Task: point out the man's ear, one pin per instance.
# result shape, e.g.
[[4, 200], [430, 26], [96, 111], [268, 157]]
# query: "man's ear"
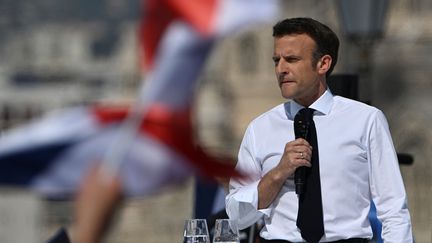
[[324, 64]]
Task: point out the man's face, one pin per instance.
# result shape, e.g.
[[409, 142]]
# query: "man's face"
[[298, 76]]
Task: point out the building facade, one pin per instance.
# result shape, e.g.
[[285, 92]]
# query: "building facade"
[[55, 54]]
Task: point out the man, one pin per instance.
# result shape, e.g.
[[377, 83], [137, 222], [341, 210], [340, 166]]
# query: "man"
[[354, 157]]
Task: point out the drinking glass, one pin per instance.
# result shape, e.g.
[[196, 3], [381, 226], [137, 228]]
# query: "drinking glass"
[[226, 231], [196, 231]]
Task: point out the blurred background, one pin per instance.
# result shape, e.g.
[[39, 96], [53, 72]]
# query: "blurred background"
[[58, 53]]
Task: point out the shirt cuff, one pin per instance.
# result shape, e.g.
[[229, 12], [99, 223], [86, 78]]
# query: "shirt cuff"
[[242, 206]]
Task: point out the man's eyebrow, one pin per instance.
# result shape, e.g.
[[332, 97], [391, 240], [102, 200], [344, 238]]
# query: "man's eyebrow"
[[291, 56]]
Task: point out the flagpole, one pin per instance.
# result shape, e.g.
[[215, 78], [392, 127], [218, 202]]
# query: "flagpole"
[[126, 134]]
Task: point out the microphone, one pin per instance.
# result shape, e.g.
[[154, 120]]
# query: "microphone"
[[301, 128]]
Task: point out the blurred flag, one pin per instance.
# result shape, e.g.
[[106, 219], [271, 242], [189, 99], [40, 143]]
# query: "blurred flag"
[[53, 154], [177, 37], [207, 18]]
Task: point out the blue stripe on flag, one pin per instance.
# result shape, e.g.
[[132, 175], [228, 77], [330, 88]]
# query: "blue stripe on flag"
[[20, 167]]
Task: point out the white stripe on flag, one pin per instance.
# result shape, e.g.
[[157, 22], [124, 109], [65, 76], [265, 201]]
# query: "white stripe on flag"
[[239, 15]]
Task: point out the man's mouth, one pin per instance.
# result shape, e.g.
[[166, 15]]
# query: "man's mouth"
[[282, 82]]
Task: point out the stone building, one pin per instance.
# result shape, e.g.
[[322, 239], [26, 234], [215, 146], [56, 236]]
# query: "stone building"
[[81, 52]]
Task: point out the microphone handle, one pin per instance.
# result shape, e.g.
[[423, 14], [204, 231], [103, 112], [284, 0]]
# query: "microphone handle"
[[299, 179], [301, 127]]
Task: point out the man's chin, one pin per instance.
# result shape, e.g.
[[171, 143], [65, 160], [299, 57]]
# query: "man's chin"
[[287, 94]]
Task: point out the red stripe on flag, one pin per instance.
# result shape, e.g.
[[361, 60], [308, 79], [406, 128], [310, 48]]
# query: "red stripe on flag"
[[158, 14], [106, 114], [174, 129], [198, 13]]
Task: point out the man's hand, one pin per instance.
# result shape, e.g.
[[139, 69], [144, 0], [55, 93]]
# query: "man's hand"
[[296, 153]]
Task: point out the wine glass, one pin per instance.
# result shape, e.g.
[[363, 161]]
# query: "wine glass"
[[196, 231], [226, 231]]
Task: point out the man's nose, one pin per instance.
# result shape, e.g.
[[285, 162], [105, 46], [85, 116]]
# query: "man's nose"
[[282, 66]]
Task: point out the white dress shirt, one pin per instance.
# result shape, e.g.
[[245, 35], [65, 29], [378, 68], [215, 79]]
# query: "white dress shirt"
[[358, 163]]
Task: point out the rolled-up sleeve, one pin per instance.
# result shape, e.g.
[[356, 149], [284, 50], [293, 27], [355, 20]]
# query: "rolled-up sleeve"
[[387, 188], [242, 199]]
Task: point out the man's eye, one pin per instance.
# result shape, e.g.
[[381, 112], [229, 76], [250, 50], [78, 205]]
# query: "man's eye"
[[276, 61], [291, 59]]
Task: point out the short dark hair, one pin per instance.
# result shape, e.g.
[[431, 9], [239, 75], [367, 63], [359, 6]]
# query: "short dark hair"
[[327, 43]]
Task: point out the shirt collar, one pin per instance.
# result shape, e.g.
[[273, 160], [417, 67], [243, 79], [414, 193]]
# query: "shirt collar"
[[321, 106]]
